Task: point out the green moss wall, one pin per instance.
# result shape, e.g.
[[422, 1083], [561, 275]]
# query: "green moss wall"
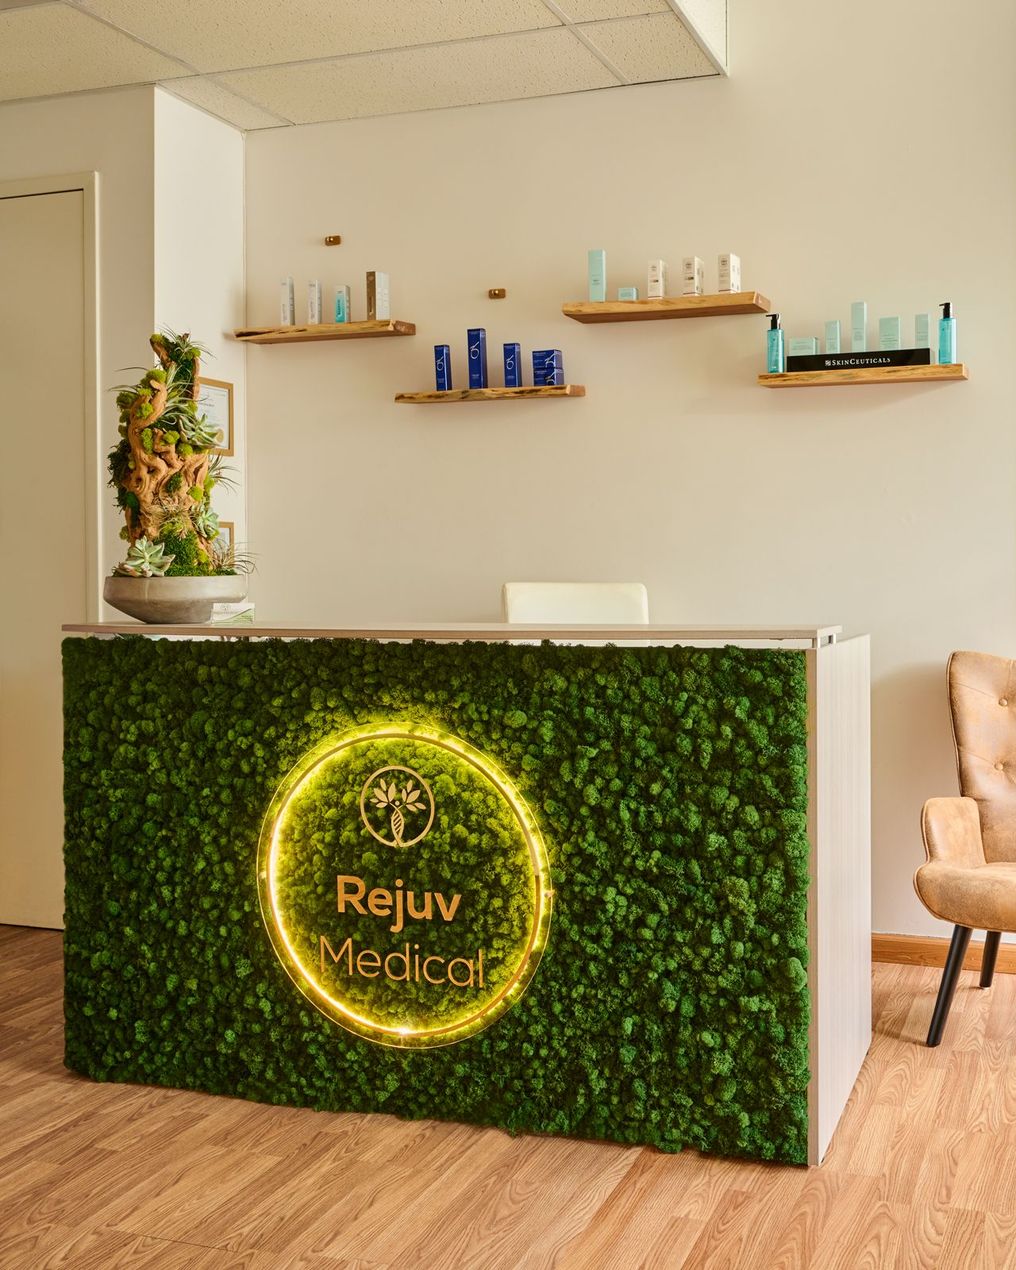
[[670, 1006]]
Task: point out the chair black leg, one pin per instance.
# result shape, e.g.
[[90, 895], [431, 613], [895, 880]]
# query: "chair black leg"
[[988, 957], [951, 973]]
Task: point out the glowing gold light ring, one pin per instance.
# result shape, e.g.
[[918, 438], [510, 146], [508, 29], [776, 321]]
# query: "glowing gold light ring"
[[315, 992]]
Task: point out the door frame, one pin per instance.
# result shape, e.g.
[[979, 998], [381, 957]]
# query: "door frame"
[[88, 185]]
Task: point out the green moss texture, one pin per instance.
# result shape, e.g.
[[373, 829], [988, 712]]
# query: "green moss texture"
[[670, 785]]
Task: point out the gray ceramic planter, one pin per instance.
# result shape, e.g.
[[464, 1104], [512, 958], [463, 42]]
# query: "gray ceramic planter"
[[173, 600]]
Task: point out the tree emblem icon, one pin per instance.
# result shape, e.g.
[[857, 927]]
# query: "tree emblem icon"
[[397, 806]]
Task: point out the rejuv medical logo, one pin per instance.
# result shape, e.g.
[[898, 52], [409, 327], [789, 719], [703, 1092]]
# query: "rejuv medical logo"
[[404, 885]]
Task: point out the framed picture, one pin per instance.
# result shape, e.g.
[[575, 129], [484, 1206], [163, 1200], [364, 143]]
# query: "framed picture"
[[215, 401], [227, 533]]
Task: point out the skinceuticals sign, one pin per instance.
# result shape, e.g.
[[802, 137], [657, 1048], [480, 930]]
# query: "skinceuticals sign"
[[404, 885]]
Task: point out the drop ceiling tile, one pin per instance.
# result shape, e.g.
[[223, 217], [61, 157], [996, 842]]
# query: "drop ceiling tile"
[[597, 10], [650, 48], [206, 93], [53, 49], [217, 35], [709, 18], [504, 68]]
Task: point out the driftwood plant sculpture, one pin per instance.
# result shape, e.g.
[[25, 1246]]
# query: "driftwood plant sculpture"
[[164, 470]]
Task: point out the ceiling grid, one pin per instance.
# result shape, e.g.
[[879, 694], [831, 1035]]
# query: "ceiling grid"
[[257, 64]]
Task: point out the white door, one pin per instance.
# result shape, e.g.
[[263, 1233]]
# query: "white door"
[[43, 548]]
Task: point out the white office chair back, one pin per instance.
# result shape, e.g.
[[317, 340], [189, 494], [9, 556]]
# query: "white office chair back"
[[576, 603]]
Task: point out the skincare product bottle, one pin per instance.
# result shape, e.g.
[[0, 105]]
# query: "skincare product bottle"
[[730, 272], [774, 346], [598, 275], [656, 287], [378, 303], [513, 366], [287, 313], [627, 293], [922, 330], [859, 327], [313, 303], [889, 333], [946, 335], [692, 276], [476, 344], [803, 346], [342, 304], [443, 367], [832, 337]]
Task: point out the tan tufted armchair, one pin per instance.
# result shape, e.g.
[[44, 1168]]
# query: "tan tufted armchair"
[[969, 878]]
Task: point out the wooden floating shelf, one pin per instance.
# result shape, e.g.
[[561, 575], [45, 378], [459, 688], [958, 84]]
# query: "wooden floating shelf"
[[726, 304], [490, 394], [867, 375], [323, 331]]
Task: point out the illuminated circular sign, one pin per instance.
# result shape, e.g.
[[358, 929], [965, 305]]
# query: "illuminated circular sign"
[[404, 885]]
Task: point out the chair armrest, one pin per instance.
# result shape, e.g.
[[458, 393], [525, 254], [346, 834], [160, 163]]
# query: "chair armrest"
[[952, 831]]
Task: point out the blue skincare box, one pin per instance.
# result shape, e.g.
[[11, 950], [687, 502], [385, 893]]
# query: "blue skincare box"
[[476, 341], [443, 367], [627, 293], [548, 368], [513, 365]]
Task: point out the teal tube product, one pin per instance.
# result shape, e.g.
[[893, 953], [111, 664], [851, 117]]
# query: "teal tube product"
[[859, 327], [598, 275], [946, 335], [889, 336], [775, 363], [832, 336]]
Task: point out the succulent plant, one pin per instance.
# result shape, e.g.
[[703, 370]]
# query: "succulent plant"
[[206, 522], [145, 559]]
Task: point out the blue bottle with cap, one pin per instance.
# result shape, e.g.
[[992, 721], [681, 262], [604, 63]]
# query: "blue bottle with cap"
[[946, 335], [775, 364]]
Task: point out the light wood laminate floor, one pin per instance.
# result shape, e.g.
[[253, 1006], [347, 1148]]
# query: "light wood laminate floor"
[[922, 1172]]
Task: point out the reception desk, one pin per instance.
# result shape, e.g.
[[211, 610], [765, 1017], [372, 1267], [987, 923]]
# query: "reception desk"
[[608, 882]]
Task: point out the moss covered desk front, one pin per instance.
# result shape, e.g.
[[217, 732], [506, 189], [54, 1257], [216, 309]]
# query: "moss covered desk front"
[[610, 891]]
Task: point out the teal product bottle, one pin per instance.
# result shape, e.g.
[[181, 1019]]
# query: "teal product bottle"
[[946, 335], [775, 364]]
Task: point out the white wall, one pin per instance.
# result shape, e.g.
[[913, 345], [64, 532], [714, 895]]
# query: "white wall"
[[849, 156], [170, 252], [199, 283], [109, 133], [170, 242]]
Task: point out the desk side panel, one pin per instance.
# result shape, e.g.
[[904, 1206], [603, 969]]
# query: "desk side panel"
[[840, 899]]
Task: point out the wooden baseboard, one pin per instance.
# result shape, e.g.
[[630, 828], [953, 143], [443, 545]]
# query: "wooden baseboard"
[[926, 950]]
